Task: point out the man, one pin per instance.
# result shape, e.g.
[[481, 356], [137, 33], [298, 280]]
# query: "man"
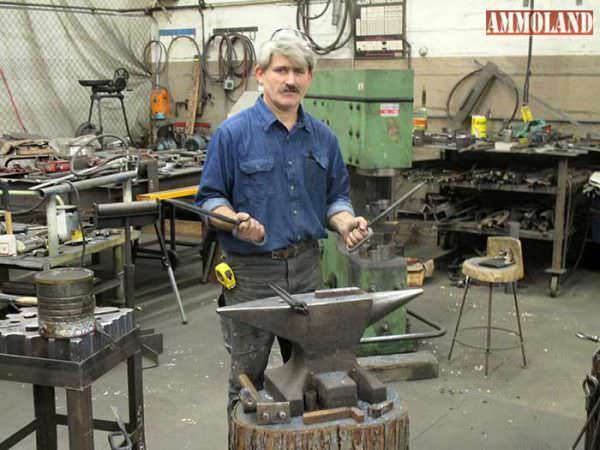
[[279, 171]]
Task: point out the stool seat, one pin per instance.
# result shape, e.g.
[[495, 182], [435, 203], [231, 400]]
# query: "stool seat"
[[472, 269]]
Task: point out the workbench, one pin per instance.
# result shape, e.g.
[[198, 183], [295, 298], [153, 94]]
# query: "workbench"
[[76, 377], [563, 212], [69, 255]]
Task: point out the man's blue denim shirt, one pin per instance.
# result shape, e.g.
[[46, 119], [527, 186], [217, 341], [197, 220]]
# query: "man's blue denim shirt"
[[290, 181]]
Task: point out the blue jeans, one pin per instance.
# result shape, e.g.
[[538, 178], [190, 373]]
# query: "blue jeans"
[[249, 347]]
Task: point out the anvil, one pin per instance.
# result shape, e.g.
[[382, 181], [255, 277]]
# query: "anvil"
[[322, 371]]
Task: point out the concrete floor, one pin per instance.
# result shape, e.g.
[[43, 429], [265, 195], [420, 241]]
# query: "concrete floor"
[[540, 407]]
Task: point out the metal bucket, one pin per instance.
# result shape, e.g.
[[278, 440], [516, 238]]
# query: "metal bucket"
[[65, 302]]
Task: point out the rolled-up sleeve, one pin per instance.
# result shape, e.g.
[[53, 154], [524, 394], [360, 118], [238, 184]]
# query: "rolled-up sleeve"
[[338, 183], [216, 182]]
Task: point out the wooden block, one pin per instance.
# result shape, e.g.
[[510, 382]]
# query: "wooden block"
[[326, 415], [357, 414], [379, 409]]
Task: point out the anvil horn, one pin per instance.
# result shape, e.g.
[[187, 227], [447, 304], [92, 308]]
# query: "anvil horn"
[[388, 301]]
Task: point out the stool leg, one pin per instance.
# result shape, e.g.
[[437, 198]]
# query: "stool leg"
[[489, 331], [514, 287], [125, 118], [460, 313], [91, 108]]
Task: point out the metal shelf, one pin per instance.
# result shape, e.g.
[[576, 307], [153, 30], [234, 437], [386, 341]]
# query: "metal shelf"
[[576, 181], [501, 187], [473, 228]]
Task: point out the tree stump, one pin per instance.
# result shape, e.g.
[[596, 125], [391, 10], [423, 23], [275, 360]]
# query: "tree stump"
[[388, 432]]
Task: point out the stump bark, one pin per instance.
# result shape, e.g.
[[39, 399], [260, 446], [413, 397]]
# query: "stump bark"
[[389, 432]]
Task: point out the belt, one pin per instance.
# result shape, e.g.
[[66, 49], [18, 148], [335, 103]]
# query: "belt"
[[291, 251]]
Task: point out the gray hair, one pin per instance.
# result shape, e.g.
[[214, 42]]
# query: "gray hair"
[[289, 45]]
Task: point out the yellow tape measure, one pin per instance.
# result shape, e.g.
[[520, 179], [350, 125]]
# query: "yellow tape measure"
[[225, 275]]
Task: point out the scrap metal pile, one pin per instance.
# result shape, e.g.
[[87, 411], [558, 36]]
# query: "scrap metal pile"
[[41, 157], [506, 177], [20, 335], [454, 209], [484, 197]]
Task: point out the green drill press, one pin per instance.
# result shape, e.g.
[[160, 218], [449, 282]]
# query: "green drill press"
[[370, 111]]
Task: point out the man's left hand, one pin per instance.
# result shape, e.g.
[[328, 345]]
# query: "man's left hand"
[[354, 230]]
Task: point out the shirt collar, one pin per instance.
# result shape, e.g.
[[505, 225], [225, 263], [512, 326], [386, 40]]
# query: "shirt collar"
[[267, 117]]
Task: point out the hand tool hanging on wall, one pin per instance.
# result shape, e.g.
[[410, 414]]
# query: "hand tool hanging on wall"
[[384, 214]]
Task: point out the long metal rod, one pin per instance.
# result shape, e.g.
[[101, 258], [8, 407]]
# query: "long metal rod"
[[130, 11], [72, 9], [585, 427], [384, 214], [297, 305], [88, 184], [201, 212], [440, 331], [397, 203]]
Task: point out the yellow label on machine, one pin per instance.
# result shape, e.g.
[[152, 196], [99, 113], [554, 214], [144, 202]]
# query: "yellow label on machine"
[[225, 275]]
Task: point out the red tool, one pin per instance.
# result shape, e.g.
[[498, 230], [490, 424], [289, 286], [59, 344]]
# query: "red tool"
[[59, 165]]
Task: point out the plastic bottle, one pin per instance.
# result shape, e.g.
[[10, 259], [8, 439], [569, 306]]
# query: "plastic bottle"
[[420, 114]]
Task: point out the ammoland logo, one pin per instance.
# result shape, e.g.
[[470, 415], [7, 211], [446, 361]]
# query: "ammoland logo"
[[539, 21]]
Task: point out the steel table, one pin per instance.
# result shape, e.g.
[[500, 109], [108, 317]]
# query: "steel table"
[[76, 378]]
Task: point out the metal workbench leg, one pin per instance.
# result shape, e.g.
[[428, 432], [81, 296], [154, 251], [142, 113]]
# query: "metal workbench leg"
[[172, 231], [559, 226], [163, 210], [80, 419], [136, 400], [51, 223], [119, 272], [44, 406]]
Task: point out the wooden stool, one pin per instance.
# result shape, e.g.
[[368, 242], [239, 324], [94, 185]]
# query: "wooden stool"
[[472, 269]]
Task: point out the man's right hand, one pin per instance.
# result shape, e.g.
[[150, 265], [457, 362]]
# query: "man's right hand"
[[250, 230]]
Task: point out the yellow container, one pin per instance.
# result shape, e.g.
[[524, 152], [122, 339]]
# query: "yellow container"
[[420, 119], [479, 127]]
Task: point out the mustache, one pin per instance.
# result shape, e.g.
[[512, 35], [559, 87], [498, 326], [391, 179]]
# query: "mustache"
[[289, 88]]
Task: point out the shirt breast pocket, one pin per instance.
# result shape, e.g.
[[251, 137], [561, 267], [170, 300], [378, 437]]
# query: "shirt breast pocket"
[[315, 173], [257, 177]]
